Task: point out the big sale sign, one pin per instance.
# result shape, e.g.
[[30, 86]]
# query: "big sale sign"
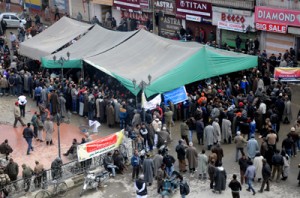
[[279, 28]]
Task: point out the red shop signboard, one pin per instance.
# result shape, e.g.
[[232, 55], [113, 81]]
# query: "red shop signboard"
[[269, 27], [193, 8], [135, 15]]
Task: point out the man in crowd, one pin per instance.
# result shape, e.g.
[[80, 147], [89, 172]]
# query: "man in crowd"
[[17, 114], [28, 135]]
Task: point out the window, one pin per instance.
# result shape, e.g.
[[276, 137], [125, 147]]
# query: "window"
[[5, 17], [14, 18]]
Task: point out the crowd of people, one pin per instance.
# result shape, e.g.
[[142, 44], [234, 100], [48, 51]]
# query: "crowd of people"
[[246, 109]]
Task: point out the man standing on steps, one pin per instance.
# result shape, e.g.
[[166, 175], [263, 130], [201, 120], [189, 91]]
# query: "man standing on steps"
[[28, 135], [56, 13]]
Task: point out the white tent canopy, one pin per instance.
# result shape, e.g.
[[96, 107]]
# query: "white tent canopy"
[[53, 38], [96, 41], [141, 55]]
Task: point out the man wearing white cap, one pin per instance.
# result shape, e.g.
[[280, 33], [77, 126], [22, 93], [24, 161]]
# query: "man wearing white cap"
[[240, 143], [22, 104], [244, 85]]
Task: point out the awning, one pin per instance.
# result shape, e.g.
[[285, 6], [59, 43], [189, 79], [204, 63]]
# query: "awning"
[[96, 41], [53, 38], [171, 64]]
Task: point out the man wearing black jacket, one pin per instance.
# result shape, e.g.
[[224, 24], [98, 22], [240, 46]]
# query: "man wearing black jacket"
[[141, 187], [235, 187]]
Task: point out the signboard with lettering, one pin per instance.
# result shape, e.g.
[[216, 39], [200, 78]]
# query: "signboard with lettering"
[[168, 25], [269, 27], [103, 2], [277, 16], [231, 26], [127, 4], [193, 8], [140, 16], [232, 19], [144, 4], [166, 6]]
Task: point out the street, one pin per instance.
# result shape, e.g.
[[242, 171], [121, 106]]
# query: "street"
[[122, 185]]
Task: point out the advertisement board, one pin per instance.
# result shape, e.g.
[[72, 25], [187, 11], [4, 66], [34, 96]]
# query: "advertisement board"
[[270, 27], [277, 16], [193, 8], [287, 73], [168, 25]]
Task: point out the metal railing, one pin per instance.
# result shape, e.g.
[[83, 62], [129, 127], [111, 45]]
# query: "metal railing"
[[19, 187], [69, 170]]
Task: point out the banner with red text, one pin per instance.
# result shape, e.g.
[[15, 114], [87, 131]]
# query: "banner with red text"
[[287, 73], [99, 146]]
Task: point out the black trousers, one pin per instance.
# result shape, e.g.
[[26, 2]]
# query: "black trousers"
[[135, 171], [22, 109]]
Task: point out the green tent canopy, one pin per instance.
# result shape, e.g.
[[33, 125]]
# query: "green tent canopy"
[[207, 62], [96, 41], [170, 63]]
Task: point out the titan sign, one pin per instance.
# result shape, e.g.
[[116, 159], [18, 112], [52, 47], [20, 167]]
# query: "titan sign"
[[193, 8]]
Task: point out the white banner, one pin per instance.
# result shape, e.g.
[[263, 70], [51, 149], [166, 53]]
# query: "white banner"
[[152, 103]]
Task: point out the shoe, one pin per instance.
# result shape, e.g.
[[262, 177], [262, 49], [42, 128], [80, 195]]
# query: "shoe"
[[28, 153], [260, 191], [254, 193], [248, 189], [32, 148], [65, 154]]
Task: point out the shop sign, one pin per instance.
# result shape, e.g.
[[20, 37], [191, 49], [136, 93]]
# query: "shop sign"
[[194, 8], [193, 18], [277, 16], [269, 27], [140, 16], [127, 4], [231, 26], [103, 2], [167, 6], [168, 25], [232, 19], [144, 4]]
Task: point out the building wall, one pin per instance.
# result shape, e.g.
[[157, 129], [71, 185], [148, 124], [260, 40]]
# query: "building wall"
[[78, 6], [287, 4]]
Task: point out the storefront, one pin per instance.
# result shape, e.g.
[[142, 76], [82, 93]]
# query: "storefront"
[[232, 23], [131, 13], [166, 21], [275, 22], [296, 31], [197, 16], [102, 9]]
